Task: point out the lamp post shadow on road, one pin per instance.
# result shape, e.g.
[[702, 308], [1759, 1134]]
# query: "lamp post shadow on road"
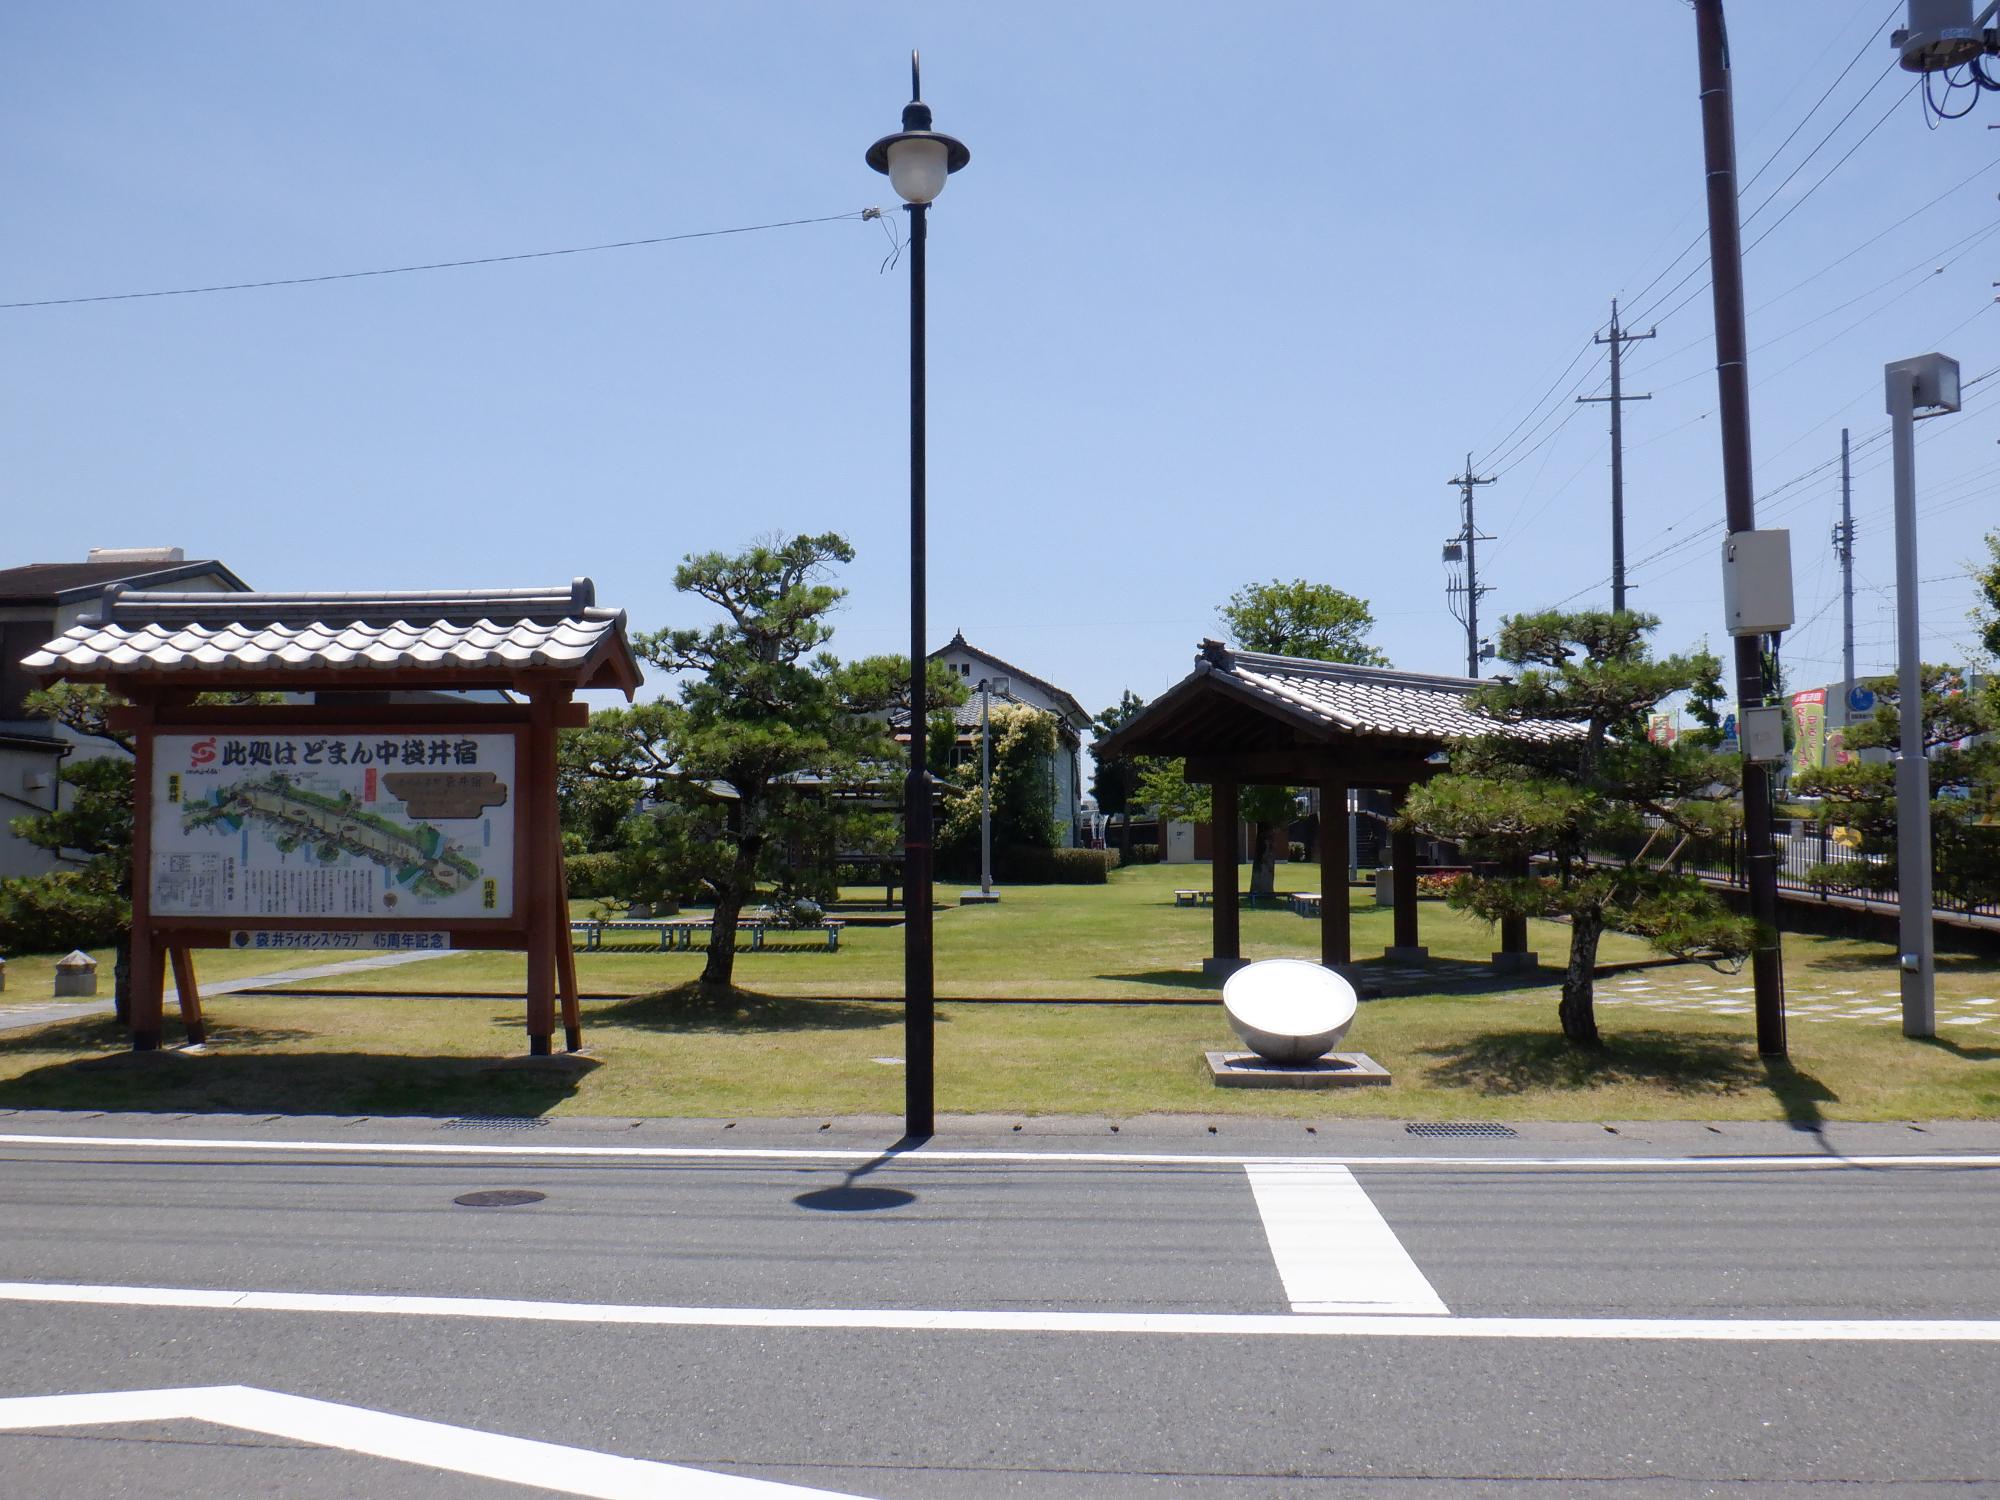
[[917, 161]]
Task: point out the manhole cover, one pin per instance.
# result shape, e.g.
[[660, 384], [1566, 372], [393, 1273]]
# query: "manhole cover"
[[1473, 1128], [495, 1122], [499, 1198]]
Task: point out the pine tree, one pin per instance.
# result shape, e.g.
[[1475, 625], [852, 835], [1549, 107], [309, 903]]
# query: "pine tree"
[[1587, 816], [762, 766]]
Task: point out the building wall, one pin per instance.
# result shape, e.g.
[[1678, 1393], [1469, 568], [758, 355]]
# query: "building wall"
[[43, 623], [27, 783]]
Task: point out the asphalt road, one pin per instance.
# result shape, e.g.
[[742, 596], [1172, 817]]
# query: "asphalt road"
[[1015, 1313]]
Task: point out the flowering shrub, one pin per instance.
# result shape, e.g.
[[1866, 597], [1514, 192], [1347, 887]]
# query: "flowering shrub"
[[1435, 887]]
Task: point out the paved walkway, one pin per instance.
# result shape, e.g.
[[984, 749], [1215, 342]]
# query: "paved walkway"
[[20, 1017], [1867, 998]]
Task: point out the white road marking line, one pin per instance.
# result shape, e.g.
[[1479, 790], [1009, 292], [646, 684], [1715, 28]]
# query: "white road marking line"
[[467, 1150], [919, 1320], [431, 1445], [1334, 1251]]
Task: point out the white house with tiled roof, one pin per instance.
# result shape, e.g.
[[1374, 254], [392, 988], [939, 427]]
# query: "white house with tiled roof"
[[970, 665]]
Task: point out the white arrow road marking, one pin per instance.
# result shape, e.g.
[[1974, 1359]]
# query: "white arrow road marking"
[[919, 1320], [1335, 1252], [432, 1445]]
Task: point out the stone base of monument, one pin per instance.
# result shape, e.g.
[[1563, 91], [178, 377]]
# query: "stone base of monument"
[[978, 898], [1246, 1070], [1516, 963]]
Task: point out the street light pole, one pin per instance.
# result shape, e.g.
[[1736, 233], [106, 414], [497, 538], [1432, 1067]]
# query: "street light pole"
[[987, 687], [917, 160], [1732, 378], [1931, 382]]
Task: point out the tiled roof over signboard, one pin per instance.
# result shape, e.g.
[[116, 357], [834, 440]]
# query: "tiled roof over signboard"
[[441, 637]]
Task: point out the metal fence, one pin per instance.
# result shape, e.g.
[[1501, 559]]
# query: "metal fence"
[[1801, 846]]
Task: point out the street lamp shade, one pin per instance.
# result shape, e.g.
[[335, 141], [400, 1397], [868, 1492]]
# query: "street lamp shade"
[[917, 158]]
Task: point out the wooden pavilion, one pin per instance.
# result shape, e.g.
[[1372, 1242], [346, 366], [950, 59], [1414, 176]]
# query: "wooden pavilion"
[[402, 796], [1246, 718]]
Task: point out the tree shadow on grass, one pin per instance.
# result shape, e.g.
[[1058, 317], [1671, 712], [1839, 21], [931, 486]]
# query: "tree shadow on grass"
[[688, 1008], [1692, 1065], [222, 1081], [105, 1033]]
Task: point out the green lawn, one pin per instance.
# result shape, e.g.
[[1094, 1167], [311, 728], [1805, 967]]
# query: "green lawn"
[[817, 1033]]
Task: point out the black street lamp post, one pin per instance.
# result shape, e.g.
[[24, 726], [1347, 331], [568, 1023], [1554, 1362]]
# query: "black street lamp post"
[[917, 160]]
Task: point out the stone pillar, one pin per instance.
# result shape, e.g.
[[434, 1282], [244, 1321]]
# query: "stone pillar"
[[1223, 876]]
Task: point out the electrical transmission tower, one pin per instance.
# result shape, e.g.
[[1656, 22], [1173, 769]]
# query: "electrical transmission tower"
[[1617, 340], [1843, 548], [1461, 554]]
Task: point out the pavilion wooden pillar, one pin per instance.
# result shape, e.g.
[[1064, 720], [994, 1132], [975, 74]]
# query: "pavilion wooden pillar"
[[1225, 816], [1403, 856], [1514, 956], [1335, 939]]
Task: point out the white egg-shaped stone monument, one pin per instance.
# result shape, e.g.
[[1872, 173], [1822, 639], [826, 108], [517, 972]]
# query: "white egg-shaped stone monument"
[[1287, 1010]]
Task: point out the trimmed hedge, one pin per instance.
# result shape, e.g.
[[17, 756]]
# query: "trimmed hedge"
[[1145, 854], [1056, 866]]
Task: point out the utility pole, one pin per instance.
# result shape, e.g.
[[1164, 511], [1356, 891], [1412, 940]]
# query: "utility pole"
[[1732, 379], [1618, 339], [1462, 593], [1843, 548]]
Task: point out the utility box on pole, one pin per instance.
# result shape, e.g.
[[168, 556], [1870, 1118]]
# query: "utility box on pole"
[[1757, 582]]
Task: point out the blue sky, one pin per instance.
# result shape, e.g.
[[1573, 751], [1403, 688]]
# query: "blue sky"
[[1226, 293]]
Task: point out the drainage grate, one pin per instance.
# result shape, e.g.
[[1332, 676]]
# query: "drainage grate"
[[1466, 1129], [494, 1122]]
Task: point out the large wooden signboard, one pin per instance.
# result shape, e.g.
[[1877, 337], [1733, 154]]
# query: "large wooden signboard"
[[409, 805]]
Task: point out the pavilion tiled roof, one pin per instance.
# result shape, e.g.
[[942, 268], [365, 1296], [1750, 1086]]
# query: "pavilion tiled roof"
[[1374, 700], [1311, 702], [456, 633]]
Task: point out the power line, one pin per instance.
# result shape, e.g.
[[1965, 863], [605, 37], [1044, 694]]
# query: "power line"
[[1535, 415], [439, 265]]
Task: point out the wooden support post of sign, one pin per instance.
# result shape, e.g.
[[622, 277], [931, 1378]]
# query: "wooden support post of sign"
[[1334, 934], [148, 991], [572, 1014], [187, 995], [145, 979], [538, 816]]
